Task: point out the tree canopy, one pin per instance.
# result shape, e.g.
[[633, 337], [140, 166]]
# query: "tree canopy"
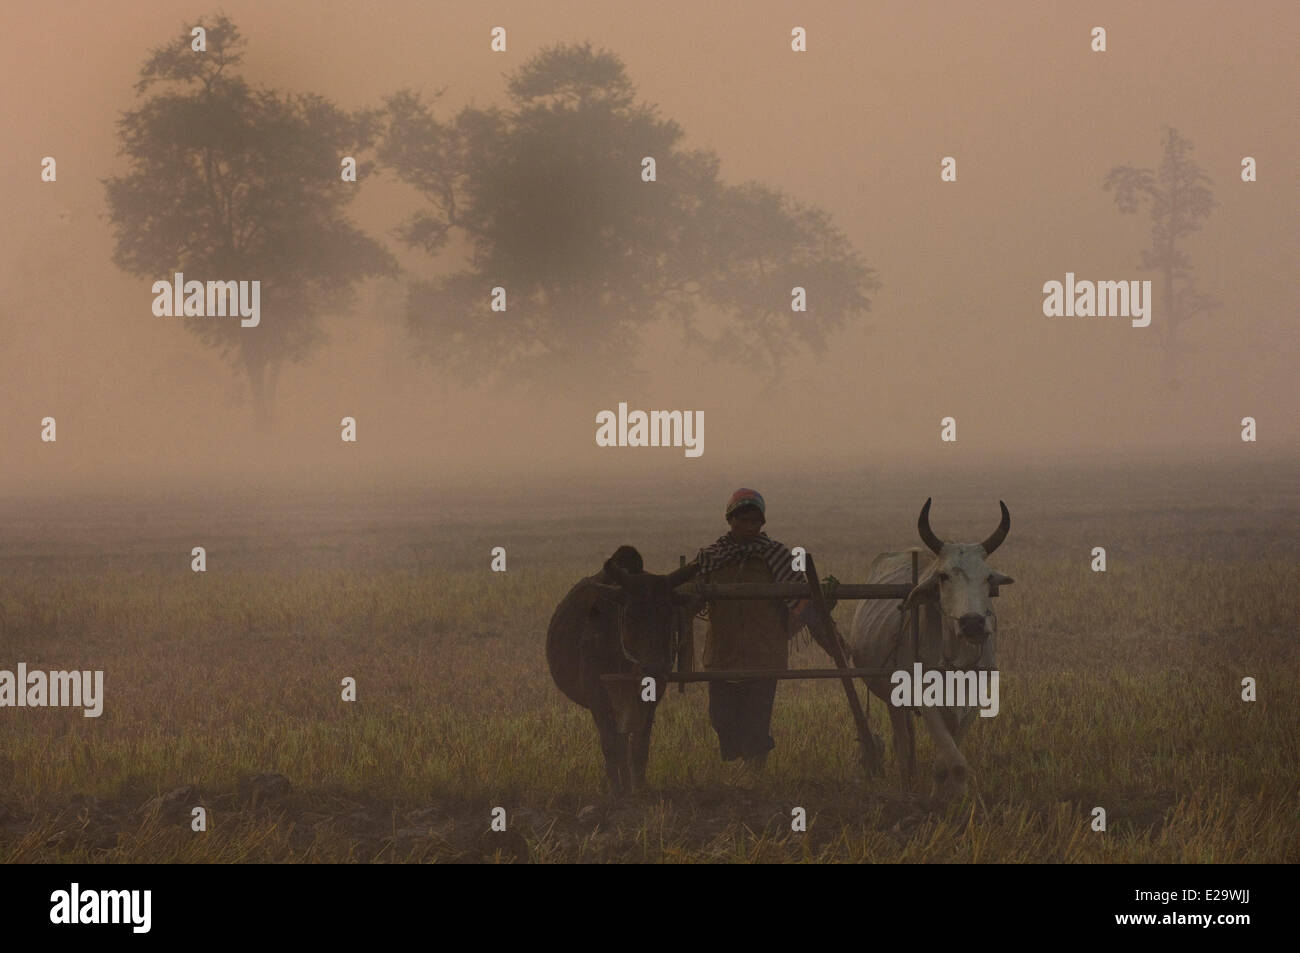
[[227, 182], [1179, 199], [549, 197]]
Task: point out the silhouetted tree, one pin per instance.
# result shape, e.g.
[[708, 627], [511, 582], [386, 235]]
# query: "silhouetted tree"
[[1179, 198], [550, 200], [226, 183]]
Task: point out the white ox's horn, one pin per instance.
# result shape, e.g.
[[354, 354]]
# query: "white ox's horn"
[[927, 535], [999, 534]]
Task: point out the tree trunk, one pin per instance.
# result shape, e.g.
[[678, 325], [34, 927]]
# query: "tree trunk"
[[1171, 322], [272, 387], [262, 391]]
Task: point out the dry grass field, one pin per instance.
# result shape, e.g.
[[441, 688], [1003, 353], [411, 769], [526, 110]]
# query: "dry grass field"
[[1119, 689]]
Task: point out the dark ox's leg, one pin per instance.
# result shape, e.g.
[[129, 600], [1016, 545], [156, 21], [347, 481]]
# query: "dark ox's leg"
[[612, 744], [614, 747], [639, 750], [593, 662]]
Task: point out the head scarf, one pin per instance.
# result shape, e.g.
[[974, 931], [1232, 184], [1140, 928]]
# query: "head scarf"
[[746, 497]]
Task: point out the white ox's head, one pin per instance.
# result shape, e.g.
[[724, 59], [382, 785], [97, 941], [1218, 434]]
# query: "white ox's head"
[[957, 586]]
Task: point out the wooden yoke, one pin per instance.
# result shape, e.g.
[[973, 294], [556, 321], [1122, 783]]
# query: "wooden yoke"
[[823, 630]]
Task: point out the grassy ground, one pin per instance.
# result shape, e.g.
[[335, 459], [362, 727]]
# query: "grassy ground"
[[1119, 689]]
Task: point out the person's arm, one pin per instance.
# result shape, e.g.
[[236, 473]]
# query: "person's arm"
[[802, 612], [798, 617]]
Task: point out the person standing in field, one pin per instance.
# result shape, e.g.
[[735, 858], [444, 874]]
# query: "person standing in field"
[[747, 633]]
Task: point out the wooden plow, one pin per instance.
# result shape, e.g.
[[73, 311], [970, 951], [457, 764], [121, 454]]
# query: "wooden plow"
[[824, 633]]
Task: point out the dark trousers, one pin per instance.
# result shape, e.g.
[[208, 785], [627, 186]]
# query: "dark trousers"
[[741, 713]]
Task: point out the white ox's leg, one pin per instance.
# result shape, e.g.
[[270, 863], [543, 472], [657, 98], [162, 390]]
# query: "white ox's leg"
[[950, 768], [904, 744], [900, 720]]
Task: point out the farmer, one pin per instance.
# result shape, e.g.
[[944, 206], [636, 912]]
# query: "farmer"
[[747, 633]]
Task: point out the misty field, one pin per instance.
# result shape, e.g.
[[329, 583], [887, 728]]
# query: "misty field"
[[1119, 689]]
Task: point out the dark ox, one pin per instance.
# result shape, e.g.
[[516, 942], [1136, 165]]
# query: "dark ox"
[[621, 620]]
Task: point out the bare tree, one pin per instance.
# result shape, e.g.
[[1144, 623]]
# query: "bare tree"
[[1179, 198]]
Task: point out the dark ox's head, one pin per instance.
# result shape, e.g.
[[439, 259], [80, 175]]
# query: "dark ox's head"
[[647, 617], [957, 583]]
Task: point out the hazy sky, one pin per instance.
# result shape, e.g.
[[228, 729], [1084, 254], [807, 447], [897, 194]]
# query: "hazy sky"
[[855, 126]]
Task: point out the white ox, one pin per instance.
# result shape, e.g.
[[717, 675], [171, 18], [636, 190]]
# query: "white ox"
[[958, 632]]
